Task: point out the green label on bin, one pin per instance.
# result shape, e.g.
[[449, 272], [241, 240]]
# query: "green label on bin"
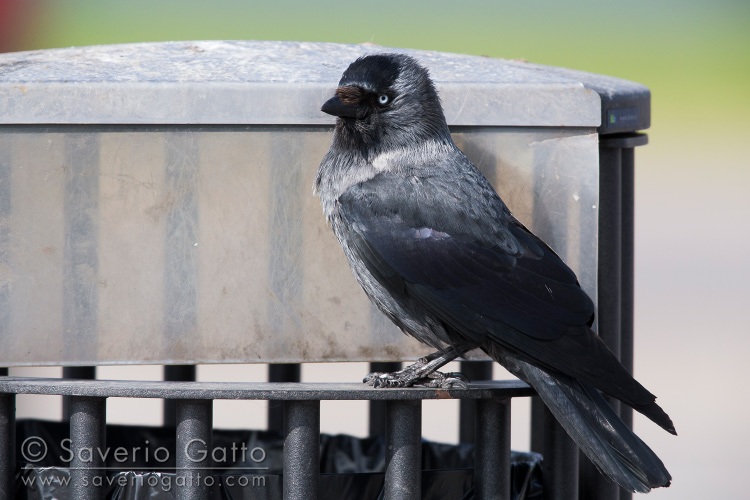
[[622, 118]]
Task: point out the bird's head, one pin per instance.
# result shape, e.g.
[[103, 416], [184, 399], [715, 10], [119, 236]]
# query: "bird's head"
[[386, 101]]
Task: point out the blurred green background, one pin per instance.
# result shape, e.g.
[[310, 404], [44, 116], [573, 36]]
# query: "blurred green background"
[[692, 180]]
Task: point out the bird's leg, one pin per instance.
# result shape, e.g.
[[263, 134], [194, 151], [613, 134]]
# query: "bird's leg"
[[423, 372]]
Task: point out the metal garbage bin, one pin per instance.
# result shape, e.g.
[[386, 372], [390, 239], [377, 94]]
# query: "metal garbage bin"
[[157, 202], [156, 205]]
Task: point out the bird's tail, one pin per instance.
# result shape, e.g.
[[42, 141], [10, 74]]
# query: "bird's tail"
[[595, 427]]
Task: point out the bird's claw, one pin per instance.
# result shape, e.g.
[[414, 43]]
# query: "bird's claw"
[[452, 380], [388, 380], [400, 379]]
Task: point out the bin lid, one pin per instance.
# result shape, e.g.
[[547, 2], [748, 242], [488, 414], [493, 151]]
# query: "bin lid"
[[275, 83]]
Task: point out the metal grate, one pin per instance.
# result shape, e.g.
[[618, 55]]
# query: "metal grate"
[[301, 415]]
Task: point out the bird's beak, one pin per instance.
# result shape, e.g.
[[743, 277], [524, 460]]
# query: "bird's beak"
[[335, 107]]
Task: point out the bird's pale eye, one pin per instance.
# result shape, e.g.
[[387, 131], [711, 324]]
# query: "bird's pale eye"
[[383, 99]]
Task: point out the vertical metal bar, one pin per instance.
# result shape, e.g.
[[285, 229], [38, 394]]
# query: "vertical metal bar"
[[403, 440], [560, 466], [537, 424], [627, 279], [284, 372], [377, 408], [593, 484], [77, 372], [80, 372], [301, 450], [7, 446], [610, 246], [280, 372], [627, 283], [628, 268], [88, 439], [193, 454], [492, 450], [175, 373], [473, 370]]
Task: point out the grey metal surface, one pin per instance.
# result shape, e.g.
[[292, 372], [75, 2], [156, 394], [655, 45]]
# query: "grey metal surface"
[[200, 245], [7, 446], [193, 454], [625, 105], [88, 438], [178, 244], [267, 82], [254, 390], [301, 450], [80, 257], [403, 441], [492, 450], [180, 223]]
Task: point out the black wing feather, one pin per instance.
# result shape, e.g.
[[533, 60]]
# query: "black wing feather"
[[522, 282], [486, 277]]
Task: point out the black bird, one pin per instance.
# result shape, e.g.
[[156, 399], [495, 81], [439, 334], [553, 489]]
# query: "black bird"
[[436, 249]]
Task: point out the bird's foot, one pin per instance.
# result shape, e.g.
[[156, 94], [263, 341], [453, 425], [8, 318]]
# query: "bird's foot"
[[450, 380], [417, 374], [401, 378]]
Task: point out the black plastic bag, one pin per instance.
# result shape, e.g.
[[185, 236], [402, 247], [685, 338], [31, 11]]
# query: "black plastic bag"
[[351, 468]]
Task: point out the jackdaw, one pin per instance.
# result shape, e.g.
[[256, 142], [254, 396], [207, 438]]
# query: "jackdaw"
[[436, 249]]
